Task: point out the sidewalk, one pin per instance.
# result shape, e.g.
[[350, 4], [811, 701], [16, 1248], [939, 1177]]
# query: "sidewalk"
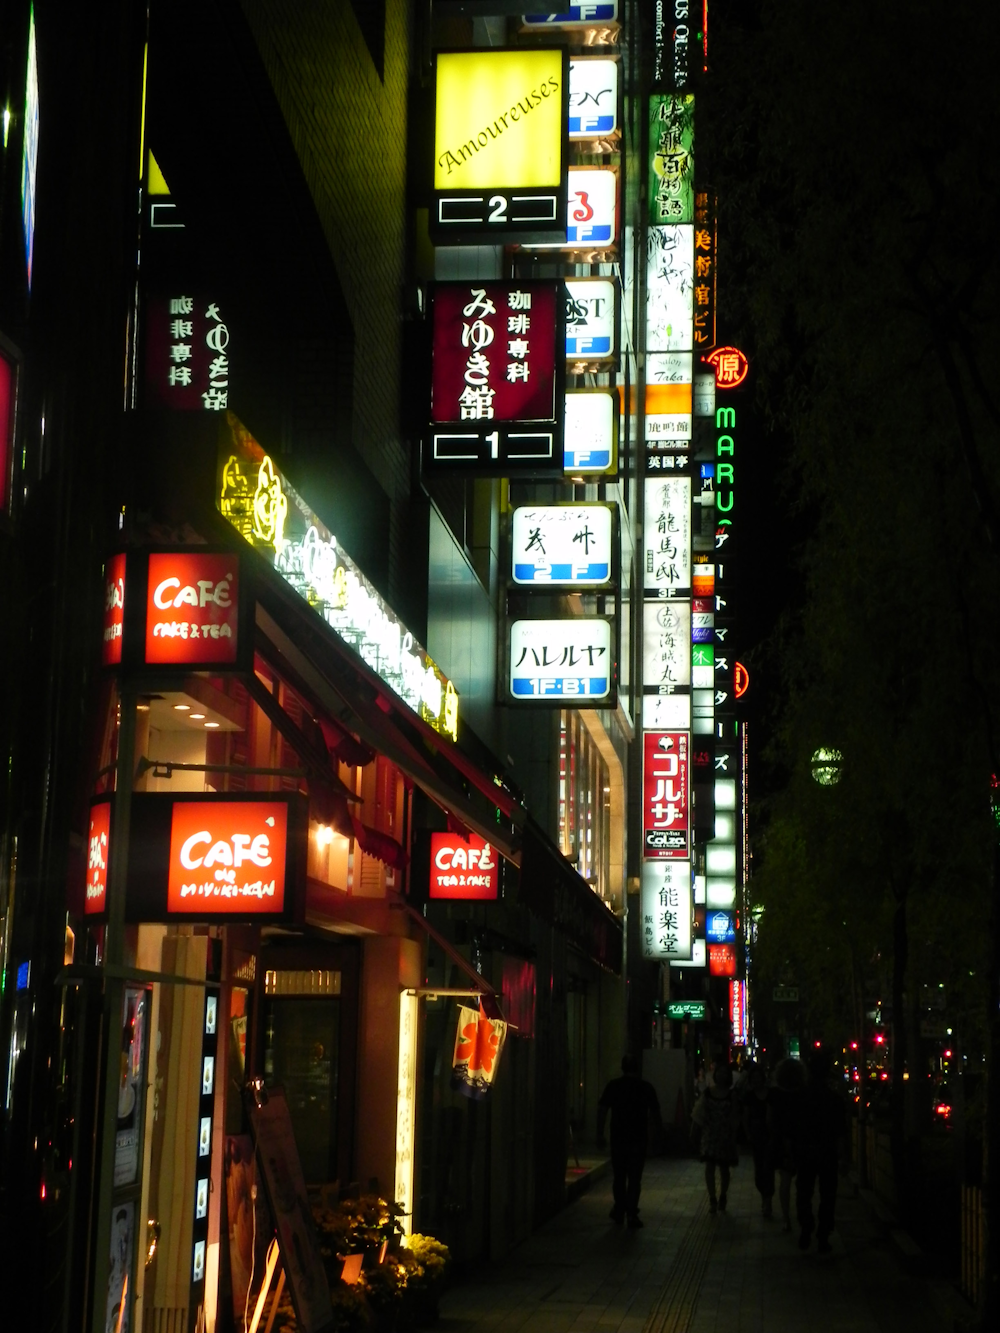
[[689, 1272]]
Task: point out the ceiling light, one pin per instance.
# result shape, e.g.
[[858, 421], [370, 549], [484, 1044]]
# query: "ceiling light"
[[182, 708], [211, 724], [199, 716]]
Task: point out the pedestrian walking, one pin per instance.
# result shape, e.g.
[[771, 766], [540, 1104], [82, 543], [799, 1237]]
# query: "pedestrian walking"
[[631, 1101], [756, 1109], [820, 1130], [789, 1080], [716, 1119]]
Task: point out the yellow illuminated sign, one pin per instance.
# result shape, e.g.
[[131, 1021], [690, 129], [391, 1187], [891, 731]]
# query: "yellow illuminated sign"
[[499, 119]]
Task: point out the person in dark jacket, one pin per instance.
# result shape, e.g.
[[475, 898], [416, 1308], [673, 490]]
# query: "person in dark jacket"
[[630, 1100], [756, 1103], [819, 1132], [789, 1080]]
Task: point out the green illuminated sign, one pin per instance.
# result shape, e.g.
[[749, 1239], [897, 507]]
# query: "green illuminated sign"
[[690, 1010], [671, 159]]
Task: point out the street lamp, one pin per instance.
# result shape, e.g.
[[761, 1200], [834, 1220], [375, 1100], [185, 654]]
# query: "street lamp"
[[825, 766]]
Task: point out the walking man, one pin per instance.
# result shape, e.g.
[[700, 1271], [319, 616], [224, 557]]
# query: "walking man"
[[631, 1101], [820, 1130]]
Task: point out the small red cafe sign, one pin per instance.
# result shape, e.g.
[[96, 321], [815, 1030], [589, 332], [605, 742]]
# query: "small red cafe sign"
[[227, 857], [463, 867], [98, 843], [192, 608], [114, 610]]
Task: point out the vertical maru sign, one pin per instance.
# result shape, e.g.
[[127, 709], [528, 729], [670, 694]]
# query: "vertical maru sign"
[[500, 143]]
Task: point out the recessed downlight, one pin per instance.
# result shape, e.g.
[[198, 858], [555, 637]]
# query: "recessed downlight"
[[182, 708], [198, 716], [211, 724]]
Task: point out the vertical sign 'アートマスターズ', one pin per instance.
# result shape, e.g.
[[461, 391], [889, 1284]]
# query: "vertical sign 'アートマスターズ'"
[[500, 144], [497, 378]]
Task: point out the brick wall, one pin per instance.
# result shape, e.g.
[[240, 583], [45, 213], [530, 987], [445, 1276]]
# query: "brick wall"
[[349, 128]]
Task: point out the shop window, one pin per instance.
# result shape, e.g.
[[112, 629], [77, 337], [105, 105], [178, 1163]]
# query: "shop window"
[[302, 1055], [584, 803]]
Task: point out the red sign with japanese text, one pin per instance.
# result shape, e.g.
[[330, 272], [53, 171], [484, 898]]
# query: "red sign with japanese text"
[[98, 841], [227, 857], [114, 610], [495, 349], [187, 354], [192, 608], [665, 799], [722, 960], [463, 867], [738, 1011]]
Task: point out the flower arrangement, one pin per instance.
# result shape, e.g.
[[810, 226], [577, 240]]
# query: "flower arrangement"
[[401, 1277]]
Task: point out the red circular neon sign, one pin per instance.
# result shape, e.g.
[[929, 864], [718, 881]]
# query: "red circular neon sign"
[[741, 680], [730, 365]]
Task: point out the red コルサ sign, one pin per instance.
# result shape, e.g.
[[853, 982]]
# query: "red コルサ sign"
[[227, 857], [192, 608], [495, 352], [114, 610], [665, 794], [463, 868], [98, 842]]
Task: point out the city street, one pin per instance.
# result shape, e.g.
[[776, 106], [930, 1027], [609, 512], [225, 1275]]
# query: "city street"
[[689, 1272]]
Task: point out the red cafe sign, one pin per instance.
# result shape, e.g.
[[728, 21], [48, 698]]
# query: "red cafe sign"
[[192, 608], [227, 857], [114, 610], [665, 794], [463, 867], [96, 897]]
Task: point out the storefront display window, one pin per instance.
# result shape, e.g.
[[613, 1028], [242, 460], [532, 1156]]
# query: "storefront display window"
[[584, 802]]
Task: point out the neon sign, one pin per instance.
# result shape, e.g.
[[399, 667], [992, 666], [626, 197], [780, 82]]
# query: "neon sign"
[[730, 365], [741, 680], [268, 513]]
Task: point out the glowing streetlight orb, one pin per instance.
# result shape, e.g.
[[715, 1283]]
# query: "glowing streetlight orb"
[[825, 766]]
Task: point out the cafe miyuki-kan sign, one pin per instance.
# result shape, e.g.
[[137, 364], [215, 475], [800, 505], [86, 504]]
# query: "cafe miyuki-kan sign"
[[497, 382], [463, 867], [226, 856], [500, 145]]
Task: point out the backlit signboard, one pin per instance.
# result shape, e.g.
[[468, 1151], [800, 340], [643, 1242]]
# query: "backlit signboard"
[[665, 794], [705, 264], [187, 353], [500, 140], [98, 844], [686, 1010], [497, 377], [675, 42], [671, 150], [669, 288], [592, 210], [667, 508], [719, 927], [575, 16], [590, 443], [563, 661], [463, 867], [29, 151], [268, 513], [564, 543], [666, 712], [227, 857], [666, 645], [722, 960], [738, 1011], [192, 608], [114, 610], [591, 323], [593, 99], [665, 909]]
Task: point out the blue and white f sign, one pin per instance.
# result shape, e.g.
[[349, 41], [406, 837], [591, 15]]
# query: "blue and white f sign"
[[562, 661]]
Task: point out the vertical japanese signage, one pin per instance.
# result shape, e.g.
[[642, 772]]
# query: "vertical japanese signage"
[[98, 846], [675, 42], [705, 234], [497, 378], [738, 1011], [563, 661], [667, 511], [114, 610], [187, 354], [500, 143], [665, 795], [671, 147], [665, 909]]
